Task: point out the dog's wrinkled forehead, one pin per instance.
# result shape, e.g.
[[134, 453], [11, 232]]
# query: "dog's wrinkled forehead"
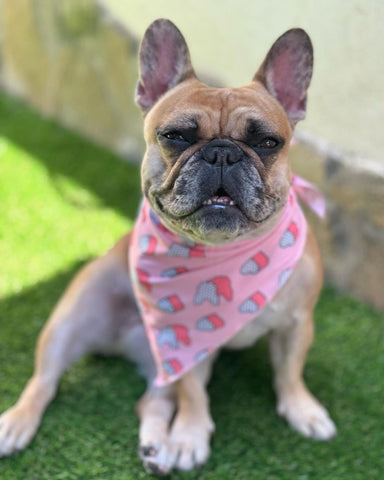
[[218, 112]]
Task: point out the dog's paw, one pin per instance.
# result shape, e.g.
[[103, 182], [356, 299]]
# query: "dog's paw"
[[186, 448], [306, 415], [17, 428]]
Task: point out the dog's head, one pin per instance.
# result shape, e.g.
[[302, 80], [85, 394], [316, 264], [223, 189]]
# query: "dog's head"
[[216, 166]]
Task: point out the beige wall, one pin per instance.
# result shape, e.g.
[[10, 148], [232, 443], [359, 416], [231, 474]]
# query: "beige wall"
[[231, 37]]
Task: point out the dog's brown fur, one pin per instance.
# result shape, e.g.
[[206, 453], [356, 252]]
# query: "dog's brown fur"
[[98, 313]]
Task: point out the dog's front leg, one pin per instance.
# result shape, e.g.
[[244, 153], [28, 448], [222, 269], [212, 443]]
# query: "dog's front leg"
[[193, 426], [289, 346], [155, 410], [185, 444]]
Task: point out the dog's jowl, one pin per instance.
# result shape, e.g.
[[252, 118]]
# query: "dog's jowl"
[[220, 254]]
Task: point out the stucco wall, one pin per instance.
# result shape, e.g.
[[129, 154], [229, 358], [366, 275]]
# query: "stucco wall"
[[75, 65]]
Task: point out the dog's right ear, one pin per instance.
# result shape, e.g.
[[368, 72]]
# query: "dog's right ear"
[[164, 62], [287, 70]]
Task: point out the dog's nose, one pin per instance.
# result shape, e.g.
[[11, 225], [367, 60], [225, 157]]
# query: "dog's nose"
[[222, 152]]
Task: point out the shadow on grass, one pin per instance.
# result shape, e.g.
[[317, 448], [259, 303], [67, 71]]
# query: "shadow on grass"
[[64, 153], [23, 315]]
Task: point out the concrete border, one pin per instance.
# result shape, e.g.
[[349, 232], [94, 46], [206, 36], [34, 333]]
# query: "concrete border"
[[352, 236]]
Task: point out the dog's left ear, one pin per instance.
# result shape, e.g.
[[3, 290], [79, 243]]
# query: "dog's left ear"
[[287, 70], [164, 62]]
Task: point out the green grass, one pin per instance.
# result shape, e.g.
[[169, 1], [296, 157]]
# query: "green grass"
[[64, 201]]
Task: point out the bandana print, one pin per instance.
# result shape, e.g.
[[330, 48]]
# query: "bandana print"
[[194, 298]]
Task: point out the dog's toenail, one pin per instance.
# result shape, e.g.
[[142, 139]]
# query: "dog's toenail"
[[148, 451]]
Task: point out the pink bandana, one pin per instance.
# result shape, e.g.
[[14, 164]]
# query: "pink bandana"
[[194, 298]]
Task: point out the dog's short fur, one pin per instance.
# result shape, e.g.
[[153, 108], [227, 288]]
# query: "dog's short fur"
[[98, 313]]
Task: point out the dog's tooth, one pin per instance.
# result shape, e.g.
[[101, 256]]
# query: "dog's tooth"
[[219, 201]]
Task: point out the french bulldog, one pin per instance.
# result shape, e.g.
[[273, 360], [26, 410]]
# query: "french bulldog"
[[215, 177]]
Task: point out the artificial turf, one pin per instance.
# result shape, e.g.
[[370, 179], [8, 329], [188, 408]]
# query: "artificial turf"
[[63, 201]]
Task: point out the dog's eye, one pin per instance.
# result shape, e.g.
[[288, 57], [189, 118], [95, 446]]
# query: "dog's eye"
[[267, 143], [177, 136]]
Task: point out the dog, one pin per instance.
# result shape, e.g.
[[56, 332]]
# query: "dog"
[[217, 188]]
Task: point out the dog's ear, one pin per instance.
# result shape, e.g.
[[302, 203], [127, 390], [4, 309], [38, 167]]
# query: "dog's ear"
[[164, 62], [287, 70]]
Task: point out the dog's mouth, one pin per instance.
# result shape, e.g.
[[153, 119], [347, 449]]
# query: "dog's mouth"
[[220, 203], [220, 200], [218, 216]]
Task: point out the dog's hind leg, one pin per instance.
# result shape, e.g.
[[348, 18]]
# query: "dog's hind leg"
[[290, 341], [88, 318], [289, 346]]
